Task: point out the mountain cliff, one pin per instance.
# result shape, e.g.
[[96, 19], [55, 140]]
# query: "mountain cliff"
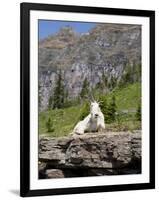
[[106, 56]]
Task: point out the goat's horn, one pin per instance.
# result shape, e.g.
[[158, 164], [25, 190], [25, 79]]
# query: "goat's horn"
[[92, 97], [99, 102], [87, 97]]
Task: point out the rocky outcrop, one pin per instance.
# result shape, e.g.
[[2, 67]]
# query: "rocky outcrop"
[[90, 154]]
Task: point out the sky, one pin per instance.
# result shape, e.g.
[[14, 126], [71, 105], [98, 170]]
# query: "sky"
[[49, 27]]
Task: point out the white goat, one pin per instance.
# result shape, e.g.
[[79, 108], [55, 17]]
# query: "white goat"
[[94, 122]]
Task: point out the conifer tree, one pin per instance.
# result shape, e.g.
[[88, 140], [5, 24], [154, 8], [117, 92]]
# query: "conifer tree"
[[104, 107], [103, 84], [58, 97], [111, 110], [49, 125], [85, 88], [50, 102]]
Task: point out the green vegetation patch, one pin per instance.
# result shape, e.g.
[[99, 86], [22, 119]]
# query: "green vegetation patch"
[[63, 121], [128, 97], [121, 107]]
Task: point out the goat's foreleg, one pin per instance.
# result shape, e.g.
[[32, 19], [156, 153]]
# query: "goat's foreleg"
[[101, 127]]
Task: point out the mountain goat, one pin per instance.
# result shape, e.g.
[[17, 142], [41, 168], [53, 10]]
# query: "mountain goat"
[[94, 122]]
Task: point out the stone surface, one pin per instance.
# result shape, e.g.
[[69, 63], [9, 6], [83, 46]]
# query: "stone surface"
[[54, 173], [92, 153]]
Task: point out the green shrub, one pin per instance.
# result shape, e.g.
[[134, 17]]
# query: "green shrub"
[[138, 113], [69, 103], [84, 111], [49, 125], [111, 110], [108, 108]]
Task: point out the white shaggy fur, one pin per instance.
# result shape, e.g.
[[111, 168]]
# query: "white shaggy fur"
[[94, 122]]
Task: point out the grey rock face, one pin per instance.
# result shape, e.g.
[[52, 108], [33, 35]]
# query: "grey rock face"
[[92, 154], [54, 173], [108, 49]]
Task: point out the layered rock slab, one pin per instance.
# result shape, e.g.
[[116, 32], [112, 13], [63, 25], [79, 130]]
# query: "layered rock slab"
[[90, 154]]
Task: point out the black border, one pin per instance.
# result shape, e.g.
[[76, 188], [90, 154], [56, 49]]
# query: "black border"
[[25, 9]]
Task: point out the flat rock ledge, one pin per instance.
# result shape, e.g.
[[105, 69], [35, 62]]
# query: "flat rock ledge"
[[91, 154]]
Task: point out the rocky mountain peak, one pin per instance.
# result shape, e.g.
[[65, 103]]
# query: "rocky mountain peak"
[[62, 39], [107, 51]]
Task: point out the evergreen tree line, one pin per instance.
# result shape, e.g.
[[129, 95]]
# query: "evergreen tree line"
[[131, 74], [56, 99], [59, 96], [109, 109]]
